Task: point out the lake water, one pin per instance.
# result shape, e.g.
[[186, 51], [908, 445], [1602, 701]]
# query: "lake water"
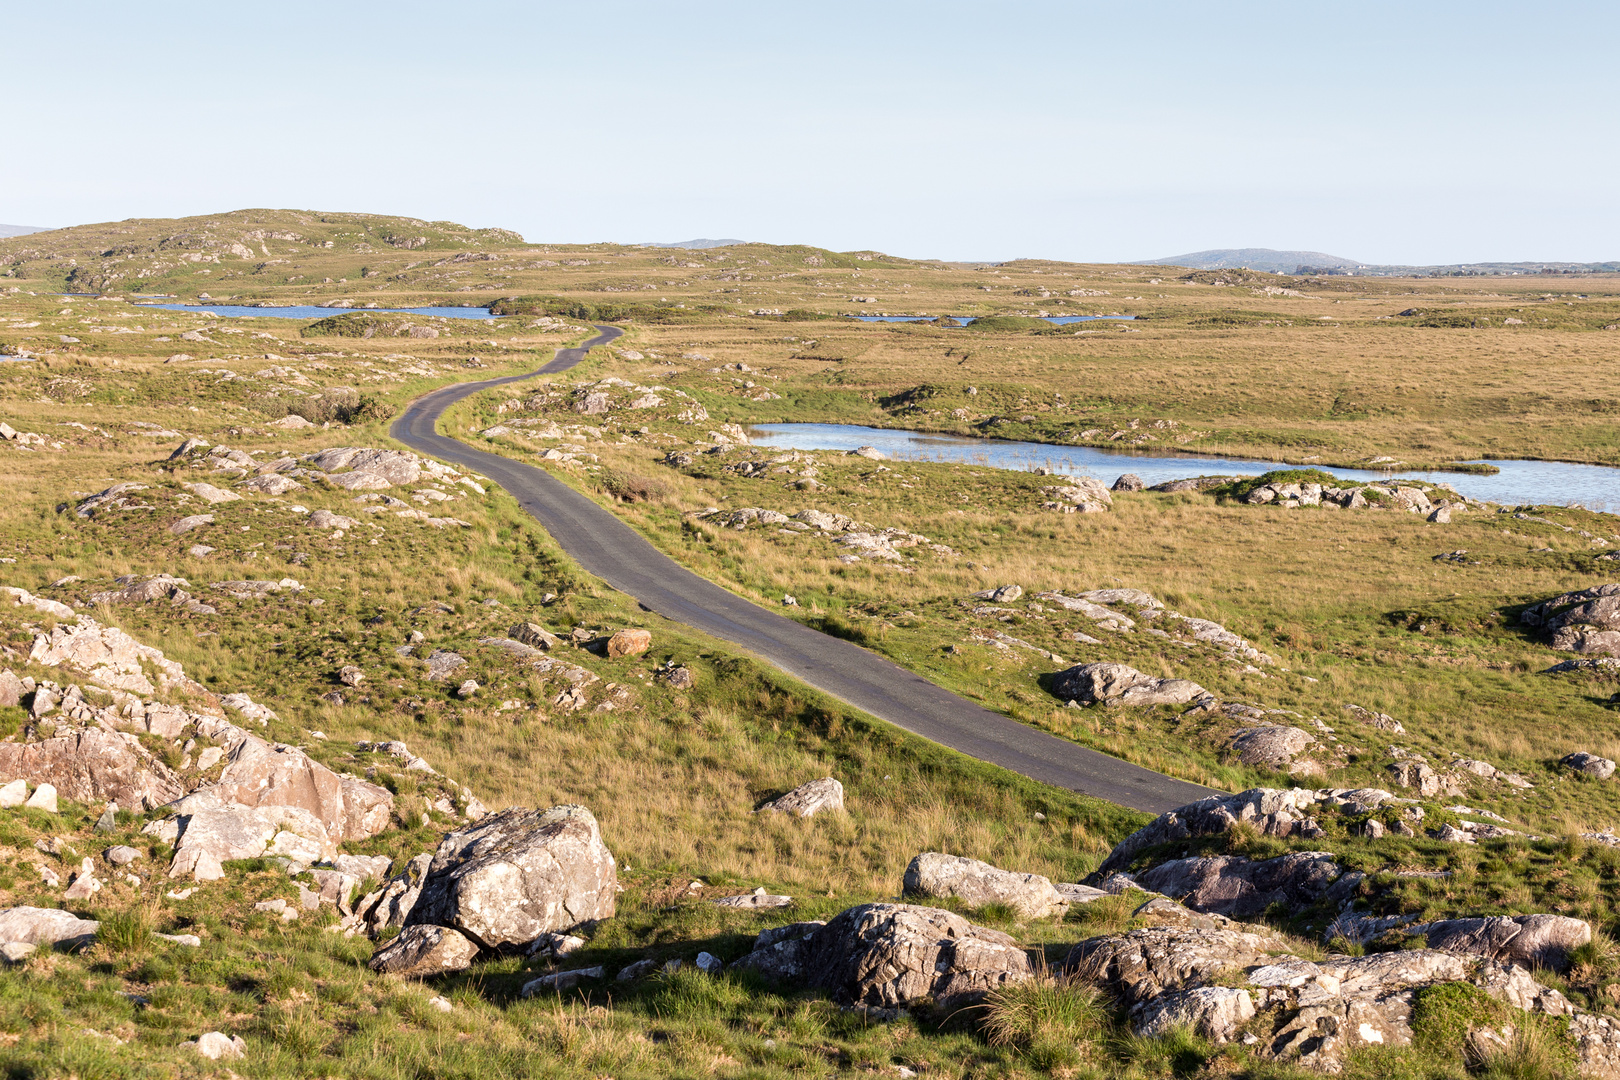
[[310, 312], [1055, 320], [1597, 487]]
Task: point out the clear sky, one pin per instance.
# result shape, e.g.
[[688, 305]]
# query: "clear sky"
[[1404, 132]]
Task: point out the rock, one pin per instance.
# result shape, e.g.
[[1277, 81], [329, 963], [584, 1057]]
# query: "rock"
[[534, 636], [208, 757], [1441, 515], [422, 951], [1121, 684], [518, 874], [1587, 621], [1376, 719], [678, 677], [1242, 888], [467, 689], [325, 519], [212, 837], [1143, 964], [1215, 1012], [1128, 482], [13, 794], [442, 664], [1078, 894], [708, 963], [15, 952], [975, 883], [259, 774], [758, 899], [1274, 811], [43, 798], [561, 980], [896, 955], [217, 1046], [1006, 594], [1083, 491], [1589, 765], [122, 854], [109, 657], [211, 494], [1528, 941], [780, 953], [1415, 775], [809, 799], [390, 466], [638, 970], [1274, 746], [11, 689], [46, 926], [271, 484], [187, 524], [628, 643], [290, 422], [84, 887]]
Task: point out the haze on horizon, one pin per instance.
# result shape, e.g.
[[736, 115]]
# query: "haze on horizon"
[[1443, 133]]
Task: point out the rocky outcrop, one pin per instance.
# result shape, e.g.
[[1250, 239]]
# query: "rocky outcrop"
[[1527, 941], [1274, 811], [1587, 621], [93, 766], [1120, 684], [976, 883], [262, 774], [111, 658], [421, 952], [1241, 888], [1146, 963], [1416, 776], [780, 953], [389, 466], [519, 874], [209, 838], [889, 956], [809, 799], [1215, 1012]]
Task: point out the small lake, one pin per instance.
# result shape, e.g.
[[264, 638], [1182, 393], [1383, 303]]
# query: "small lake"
[[1055, 320], [1596, 487], [238, 311]]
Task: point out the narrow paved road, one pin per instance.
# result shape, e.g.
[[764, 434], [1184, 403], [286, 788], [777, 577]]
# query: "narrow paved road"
[[611, 550]]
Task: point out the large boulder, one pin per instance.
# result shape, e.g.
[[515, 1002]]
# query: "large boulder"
[[1145, 963], [421, 952], [45, 926], [94, 766], [1599, 768], [1587, 621], [518, 874], [1241, 888], [897, 955], [976, 884], [1120, 684], [1215, 1012], [1528, 941], [262, 774], [1274, 745]]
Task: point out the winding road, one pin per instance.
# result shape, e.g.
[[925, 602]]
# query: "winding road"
[[612, 551]]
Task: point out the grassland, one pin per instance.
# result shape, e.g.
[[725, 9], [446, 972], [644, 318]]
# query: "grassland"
[[1353, 607]]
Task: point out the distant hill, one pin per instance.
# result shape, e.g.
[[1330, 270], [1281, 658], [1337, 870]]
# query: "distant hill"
[[697, 244], [22, 230], [1275, 262]]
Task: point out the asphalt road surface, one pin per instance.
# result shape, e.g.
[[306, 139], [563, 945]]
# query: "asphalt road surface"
[[612, 551]]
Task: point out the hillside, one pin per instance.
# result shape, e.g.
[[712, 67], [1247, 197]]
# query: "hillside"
[[20, 230], [1276, 262]]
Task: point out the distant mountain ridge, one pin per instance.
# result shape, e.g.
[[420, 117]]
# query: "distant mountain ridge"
[[1267, 259], [697, 244], [22, 230]]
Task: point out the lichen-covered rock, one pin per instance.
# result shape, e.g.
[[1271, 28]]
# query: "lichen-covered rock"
[[1145, 963], [391, 466], [780, 952], [810, 799], [518, 874], [932, 874], [109, 657], [1417, 776], [211, 837], [421, 952], [1599, 768], [1274, 745], [1121, 684], [898, 955], [1240, 888]]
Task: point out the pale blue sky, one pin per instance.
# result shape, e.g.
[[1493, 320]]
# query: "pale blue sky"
[[1413, 132]]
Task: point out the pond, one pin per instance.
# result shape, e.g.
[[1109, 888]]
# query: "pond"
[[1596, 487], [1055, 320], [310, 312]]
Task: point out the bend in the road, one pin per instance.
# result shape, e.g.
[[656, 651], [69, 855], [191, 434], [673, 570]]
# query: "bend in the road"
[[609, 549]]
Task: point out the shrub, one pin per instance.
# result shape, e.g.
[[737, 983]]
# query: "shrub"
[[633, 487], [339, 404], [126, 931], [1044, 1009]]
